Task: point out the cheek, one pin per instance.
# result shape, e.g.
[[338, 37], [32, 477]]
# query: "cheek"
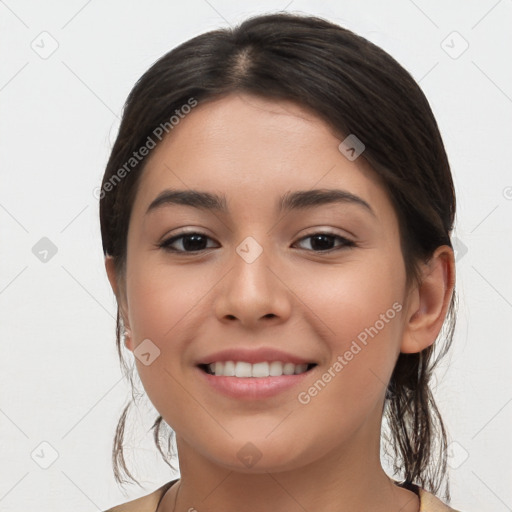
[[159, 299], [360, 313], [349, 299], [160, 302]]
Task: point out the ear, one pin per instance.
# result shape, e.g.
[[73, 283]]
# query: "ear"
[[121, 299], [429, 301]]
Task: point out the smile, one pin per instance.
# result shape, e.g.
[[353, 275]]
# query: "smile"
[[263, 369]]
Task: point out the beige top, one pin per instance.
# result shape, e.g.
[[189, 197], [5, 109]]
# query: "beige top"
[[149, 503]]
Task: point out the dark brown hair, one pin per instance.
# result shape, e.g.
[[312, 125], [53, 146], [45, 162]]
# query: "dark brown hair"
[[358, 89]]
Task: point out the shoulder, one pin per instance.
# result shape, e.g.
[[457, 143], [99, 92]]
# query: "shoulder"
[[430, 503], [148, 503]]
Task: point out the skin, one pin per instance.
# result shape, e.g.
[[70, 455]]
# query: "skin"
[[194, 304]]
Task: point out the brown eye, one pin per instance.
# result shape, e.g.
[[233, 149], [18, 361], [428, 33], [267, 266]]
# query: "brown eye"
[[186, 242], [325, 242]]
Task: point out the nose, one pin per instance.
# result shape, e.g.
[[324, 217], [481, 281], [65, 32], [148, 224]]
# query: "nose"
[[253, 293]]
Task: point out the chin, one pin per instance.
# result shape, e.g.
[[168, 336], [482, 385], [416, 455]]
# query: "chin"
[[257, 456]]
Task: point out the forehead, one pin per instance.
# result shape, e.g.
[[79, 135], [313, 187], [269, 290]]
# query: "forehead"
[[254, 149]]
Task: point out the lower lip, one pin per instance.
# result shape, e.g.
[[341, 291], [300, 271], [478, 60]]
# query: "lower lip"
[[252, 388]]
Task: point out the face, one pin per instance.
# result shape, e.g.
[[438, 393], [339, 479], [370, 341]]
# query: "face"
[[318, 285]]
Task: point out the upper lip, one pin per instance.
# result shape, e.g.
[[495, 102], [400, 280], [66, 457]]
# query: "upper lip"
[[253, 356]]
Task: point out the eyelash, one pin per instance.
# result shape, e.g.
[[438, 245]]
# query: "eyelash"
[[165, 245]]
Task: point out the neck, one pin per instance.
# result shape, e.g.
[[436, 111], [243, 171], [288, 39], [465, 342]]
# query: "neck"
[[350, 476]]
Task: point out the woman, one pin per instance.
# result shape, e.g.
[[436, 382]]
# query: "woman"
[[273, 355]]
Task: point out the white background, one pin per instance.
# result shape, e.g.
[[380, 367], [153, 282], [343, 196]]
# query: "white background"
[[60, 378]]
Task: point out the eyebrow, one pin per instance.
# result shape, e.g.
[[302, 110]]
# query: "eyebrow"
[[297, 200]]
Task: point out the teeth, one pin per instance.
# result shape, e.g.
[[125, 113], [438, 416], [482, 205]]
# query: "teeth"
[[229, 369], [241, 369], [276, 369], [289, 369], [263, 369], [260, 370]]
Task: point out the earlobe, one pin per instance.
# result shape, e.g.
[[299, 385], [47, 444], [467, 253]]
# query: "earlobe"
[[111, 273], [113, 279], [127, 336], [430, 301]]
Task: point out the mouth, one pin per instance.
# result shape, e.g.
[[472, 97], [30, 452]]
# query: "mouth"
[[260, 370]]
